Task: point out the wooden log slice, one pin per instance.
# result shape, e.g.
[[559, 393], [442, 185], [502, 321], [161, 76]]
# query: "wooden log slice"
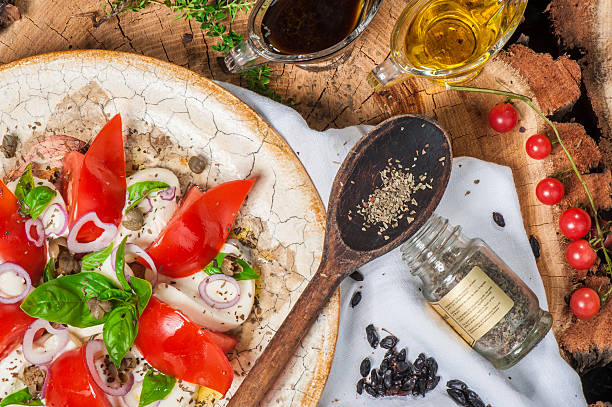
[[587, 25]]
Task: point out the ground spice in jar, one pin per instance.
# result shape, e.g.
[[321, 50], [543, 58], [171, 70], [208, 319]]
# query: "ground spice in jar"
[[393, 200], [476, 293]]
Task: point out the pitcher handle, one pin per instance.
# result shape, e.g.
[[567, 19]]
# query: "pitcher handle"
[[242, 58], [387, 73]]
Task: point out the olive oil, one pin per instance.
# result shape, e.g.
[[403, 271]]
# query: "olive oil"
[[307, 26], [446, 34]]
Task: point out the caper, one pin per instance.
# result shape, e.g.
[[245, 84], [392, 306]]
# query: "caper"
[[197, 164], [229, 267], [133, 219], [66, 263]]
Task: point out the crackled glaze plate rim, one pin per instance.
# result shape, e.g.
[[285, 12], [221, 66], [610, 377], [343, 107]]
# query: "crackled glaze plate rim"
[[284, 151]]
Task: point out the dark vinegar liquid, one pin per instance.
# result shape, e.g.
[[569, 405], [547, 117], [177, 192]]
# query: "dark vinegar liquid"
[[307, 26]]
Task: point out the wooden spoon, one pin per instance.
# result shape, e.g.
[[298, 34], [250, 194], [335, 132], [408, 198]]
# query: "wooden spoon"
[[414, 142]]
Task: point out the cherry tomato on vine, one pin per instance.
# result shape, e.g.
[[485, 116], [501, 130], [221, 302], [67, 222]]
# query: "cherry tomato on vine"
[[580, 255], [538, 146], [503, 117], [550, 191], [584, 303], [575, 223]]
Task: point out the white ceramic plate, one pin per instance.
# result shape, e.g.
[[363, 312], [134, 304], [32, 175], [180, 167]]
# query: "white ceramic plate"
[[172, 114]]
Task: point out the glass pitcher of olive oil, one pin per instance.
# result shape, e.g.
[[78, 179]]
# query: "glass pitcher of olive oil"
[[447, 40]]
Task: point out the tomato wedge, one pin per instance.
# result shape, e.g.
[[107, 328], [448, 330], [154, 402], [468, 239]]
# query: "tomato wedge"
[[198, 229], [71, 384], [14, 323], [99, 184], [226, 342], [14, 244], [175, 345]]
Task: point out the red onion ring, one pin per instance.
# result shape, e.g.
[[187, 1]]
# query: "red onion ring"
[[110, 231], [138, 251], [93, 350], [60, 231], [150, 205], [41, 358], [219, 304], [17, 269], [40, 231], [168, 194], [43, 391]]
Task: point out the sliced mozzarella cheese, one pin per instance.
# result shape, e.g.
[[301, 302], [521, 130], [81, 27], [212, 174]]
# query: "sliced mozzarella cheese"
[[183, 294], [12, 367], [11, 372], [11, 284], [83, 334], [183, 394], [53, 218], [156, 219]]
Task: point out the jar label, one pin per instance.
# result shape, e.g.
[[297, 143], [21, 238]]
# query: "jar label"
[[474, 306]]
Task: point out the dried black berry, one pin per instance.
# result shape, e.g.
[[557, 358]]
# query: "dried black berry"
[[355, 299], [458, 396], [535, 246], [372, 336], [384, 365], [498, 218], [356, 275], [388, 342], [456, 384], [391, 354], [473, 398], [374, 377], [432, 383], [421, 385], [360, 384], [370, 390], [403, 367], [432, 366], [409, 384], [388, 379], [401, 356], [365, 367]]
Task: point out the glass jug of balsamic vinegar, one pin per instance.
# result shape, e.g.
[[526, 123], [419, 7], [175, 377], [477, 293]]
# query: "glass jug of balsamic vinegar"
[[315, 34]]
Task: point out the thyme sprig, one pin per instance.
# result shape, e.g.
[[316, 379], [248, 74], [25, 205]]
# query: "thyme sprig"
[[213, 18], [529, 102]]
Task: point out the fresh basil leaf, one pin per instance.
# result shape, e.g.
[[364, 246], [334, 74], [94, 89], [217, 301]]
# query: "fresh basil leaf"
[[143, 290], [94, 260], [139, 191], [120, 265], [247, 272], [38, 199], [156, 386], [64, 300], [116, 294], [21, 397], [25, 184], [120, 331], [49, 271]]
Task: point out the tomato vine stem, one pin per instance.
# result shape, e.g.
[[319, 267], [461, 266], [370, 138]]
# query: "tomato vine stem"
[[529, 102]]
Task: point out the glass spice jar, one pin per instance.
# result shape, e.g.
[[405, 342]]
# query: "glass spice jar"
[[476, 292]]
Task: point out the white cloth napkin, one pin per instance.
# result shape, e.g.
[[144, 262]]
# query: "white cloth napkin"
[[390, 293]]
